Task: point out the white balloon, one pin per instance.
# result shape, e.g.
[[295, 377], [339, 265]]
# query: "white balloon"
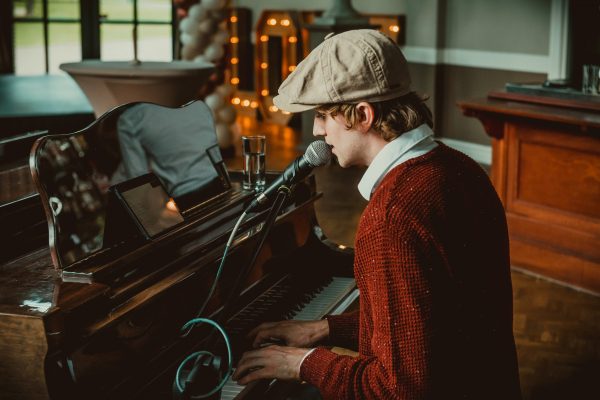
[[197, 12], [187, 25], [223, 135], [189, 52], [214, 101], [200, 59], [226, 115], [214, 52], [206, 26], [200, 41], [213, 4], [221, 37], [186, 38], [225, 90]]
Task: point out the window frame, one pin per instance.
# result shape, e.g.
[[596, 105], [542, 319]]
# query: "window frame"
[[90, 21]]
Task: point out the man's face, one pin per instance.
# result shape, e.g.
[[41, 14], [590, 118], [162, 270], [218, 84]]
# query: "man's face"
[[347, 144]]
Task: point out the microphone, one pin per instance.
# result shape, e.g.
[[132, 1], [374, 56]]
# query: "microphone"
[[318, 153]]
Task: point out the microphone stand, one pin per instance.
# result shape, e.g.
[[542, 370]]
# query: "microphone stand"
[[207, 368]]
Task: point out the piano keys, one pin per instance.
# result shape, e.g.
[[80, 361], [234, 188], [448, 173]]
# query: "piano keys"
[[81, 318], [333, 298]]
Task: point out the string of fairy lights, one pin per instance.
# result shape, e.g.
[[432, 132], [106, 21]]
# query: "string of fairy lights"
[[287, 27]]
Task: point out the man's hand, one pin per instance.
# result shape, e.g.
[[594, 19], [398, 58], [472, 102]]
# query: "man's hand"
[[292, 333], [271, 362]]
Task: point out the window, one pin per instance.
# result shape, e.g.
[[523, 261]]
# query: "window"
[[150, 18], [47, 33]]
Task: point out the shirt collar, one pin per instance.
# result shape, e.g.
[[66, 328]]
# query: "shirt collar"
[[392, 154]]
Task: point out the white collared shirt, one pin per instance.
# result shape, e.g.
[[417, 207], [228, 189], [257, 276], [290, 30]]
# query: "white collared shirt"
[[409, 145]]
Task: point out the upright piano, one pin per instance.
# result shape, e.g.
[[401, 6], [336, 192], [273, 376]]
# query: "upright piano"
[[93, 299]]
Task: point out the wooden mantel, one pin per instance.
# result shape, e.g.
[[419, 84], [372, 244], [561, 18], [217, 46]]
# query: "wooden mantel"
[[546, 169]]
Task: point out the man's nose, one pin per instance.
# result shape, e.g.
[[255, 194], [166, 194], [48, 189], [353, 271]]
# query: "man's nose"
[[318, 128]]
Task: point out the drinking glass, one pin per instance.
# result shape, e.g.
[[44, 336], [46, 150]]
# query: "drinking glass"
[[253, 149]]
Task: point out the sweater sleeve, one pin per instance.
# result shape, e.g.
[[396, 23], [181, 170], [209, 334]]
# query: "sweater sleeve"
[[343, 329], [398, 294]]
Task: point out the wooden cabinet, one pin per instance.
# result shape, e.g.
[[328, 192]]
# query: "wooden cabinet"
[[546, 169]]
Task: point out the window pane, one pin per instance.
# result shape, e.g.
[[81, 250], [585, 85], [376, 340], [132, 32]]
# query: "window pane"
[[116, 42], [27, 8], [65, 45], [29, 49], [117, 9], [154, 43], [154, 10], [63, 9]]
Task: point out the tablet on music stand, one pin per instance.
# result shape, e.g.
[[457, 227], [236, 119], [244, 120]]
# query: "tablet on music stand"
[[148, 205]]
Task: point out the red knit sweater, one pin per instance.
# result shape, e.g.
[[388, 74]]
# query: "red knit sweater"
[[432, 266]]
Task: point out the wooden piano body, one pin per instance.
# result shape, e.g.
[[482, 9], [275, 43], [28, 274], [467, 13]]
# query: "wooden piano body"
[[105, 322]]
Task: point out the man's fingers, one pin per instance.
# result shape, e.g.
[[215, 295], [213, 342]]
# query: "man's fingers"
[[256, 374], [263, 326], [246, 364], [253, 360], [263, 336]]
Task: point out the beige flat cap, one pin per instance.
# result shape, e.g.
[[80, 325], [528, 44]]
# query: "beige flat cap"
[[353, 66]]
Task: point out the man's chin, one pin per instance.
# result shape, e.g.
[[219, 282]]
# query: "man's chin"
[[342, 163]]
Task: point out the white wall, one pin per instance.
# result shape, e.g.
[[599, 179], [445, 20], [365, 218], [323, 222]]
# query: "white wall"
[[370, 6], [512, 26]]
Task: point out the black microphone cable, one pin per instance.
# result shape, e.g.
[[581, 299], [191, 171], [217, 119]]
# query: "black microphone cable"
[[318, 153]]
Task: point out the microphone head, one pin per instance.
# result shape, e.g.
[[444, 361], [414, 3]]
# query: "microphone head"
[[318, 153]]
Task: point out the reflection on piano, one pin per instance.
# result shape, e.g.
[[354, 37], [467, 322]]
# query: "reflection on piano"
[[108, 324]]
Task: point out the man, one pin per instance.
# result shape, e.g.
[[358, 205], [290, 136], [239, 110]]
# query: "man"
[[171, 142], [431, 250]]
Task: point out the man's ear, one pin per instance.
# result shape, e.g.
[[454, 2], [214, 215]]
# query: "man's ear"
[[366, 116]]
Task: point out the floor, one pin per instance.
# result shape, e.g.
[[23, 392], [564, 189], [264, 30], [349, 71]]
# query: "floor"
[[557, 329]]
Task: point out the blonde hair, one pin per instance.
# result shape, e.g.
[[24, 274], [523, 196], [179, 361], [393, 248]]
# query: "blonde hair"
[[392, 117]]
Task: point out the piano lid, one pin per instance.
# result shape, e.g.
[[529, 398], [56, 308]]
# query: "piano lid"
[[73, 172]]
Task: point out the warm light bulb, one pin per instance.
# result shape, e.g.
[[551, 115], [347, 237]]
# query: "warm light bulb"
[[233, 19], [291, 68], [246, 103], [264, 38], [254, 104], [264, 92], [264, 65], [235, 100], [171, 206], [235, 81], [285, 22], [271, 21], [292, 39], [234, 39], [235, 60], [273, 109], [394, 28]]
